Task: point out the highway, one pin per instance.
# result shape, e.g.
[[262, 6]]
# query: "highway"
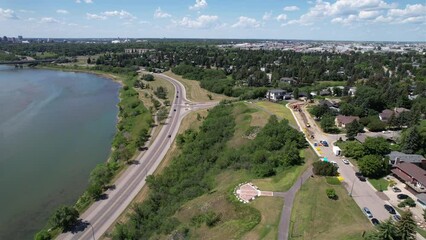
[[103, 213]]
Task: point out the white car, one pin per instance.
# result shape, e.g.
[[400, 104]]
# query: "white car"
[[367, 212], [345, 161]]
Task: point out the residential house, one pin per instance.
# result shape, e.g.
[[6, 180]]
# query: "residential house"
[[391, 136], [333, 105], [333, 89], [352, 91], [135, 50], [341, 120], [275, 94], [412, 175], [386, 114], [288, 80], [396, 157], [325, 92]]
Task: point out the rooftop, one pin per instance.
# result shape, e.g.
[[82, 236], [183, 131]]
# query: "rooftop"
[[410, 169], [410, 158], [346, 119]]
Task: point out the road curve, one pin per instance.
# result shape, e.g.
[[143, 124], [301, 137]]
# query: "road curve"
[[103, 213]]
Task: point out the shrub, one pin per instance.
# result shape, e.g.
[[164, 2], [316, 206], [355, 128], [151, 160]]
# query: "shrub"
[[331, 193], [324, 169], [407, 202]]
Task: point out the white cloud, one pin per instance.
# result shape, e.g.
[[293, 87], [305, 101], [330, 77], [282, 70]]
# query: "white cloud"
[[409, 11], [199, 4], [95, 17], [121, 14], [202, 22], [246, 22], [8, 14], [160, 14], [267, 16], [49, 20], [368, 14], [281, 17], [290, 8], [85, 1], [62, 11]]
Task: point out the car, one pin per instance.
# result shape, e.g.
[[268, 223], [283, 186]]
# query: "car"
[[374, 221], [345, 161], [169, 136], [308, 125], [325, 143], [397, 217], [390, 209], [395, 189], [174, 110], [177, 96], [367, 212], [315, 144], [402, 196], [360, 176]]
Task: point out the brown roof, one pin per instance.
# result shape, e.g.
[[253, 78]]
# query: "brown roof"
[[386, 114], [411, 169], [346, 119]]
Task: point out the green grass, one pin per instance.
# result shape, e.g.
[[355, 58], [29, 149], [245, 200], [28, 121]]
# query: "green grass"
[[332, 180], [278, 109], [380, 184], [315, 216], [421, 231]]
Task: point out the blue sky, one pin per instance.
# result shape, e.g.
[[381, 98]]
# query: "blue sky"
[[273, 19]]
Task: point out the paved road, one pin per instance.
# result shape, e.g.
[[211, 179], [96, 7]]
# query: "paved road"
[[284, 227], [103, 213]]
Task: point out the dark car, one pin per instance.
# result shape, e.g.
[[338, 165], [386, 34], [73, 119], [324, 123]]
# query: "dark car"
[[395, 189], [325, 143], [177, 96], [390, 209], [375, 221], [402, 196], [174, 110], [360, 176], [169, 136]]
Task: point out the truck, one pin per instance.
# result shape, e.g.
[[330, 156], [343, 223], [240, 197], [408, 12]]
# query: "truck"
[[336, 150]]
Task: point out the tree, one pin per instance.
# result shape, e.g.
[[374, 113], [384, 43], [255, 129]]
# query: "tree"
[[387, 231], [319, 110], [148, 77], [376, 146], [327, 123], [375, 125], [410, 141], [352, 129], [373, 166], [324, 168], [64, 217], [43, 235], [353, 149], [95, 191], [424, 214], [101, 175], [407, 226], [291, 154], [161, 92], [296, 93], [89, 61]]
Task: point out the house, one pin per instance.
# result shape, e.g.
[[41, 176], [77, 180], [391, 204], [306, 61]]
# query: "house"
[[325, 92], [330, 104], [391, 136], [288, 80], [386, 114], [333, 89], [396, 157], [412, 175], [275, 94], [352, 91], [341, 120]]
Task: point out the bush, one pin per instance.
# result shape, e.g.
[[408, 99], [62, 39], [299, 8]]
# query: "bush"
[[331, 193], [64, 217], [148, 77], [43, 235], [407, 202], [324, 169]]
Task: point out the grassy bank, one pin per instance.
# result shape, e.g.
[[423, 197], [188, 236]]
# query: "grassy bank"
[[133, 126], [315, 216]]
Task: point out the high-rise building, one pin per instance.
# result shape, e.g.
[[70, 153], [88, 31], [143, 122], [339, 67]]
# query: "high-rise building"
[[20, 38]]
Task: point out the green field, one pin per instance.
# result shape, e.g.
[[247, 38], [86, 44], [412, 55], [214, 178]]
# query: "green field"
[[278, 109], [315, 216], [380, 184]]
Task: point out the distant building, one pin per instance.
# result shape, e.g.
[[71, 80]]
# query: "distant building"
[[288, 80], [325, 92], [352, 91], [275, 94], [387, 114], [135, 50], [341, 120], [391, 136]]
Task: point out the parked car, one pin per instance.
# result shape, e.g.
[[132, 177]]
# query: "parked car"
[[367, 212], [395, 189], [375, 221], [397, 217], [325, 143], [315, 144], [360, 176], [402, 196], [174, 110], [345, 161], [390, 209]]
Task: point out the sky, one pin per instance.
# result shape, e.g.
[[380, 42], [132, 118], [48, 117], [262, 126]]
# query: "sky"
[[358, 20]]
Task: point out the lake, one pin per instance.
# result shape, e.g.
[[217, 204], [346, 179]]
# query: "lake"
[[55, 127]]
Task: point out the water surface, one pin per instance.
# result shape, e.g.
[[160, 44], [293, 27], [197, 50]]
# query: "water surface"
[[54, 128]]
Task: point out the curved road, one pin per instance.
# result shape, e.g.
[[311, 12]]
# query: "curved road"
[[103, 213]]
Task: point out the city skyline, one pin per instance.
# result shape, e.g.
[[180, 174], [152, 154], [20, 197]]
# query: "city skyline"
[[371, 20]]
